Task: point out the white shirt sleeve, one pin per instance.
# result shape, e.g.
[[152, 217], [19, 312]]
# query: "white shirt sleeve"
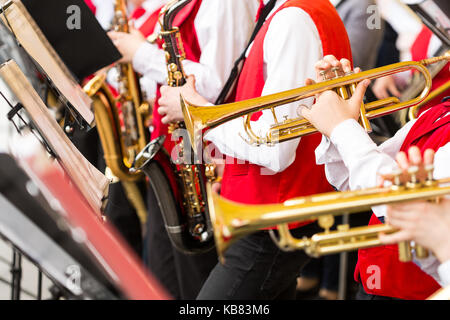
[[352, 160], [220, 43], [292, 42], [444, 273], [104, 12]]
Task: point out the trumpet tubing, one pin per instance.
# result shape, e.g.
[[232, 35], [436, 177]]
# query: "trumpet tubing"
[[198, 118], [232, 221]]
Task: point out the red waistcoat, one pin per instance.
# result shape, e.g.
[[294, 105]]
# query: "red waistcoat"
[[244, 182], [419, 51], [398, 279], [185, 22]]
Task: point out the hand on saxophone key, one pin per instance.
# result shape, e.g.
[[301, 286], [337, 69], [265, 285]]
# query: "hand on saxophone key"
[[127, 43], [169, 103]]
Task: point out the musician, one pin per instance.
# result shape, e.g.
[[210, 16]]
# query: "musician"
[[294, 34], [425, 223], [352, 161], [213, 32]]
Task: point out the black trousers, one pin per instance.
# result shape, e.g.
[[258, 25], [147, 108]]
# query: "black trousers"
[[181, 274], [256, 269]]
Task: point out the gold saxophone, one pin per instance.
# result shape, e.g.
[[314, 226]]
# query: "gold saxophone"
[[121, 141], [189, 227]]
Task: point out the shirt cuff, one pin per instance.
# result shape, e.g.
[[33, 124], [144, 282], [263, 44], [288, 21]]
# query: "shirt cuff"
[[444, 273], [326, 152], [351, 139]]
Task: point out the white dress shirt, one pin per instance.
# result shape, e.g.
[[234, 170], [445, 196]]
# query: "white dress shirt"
[[223, 29], [291, 48], [104, 12], [352, 161]]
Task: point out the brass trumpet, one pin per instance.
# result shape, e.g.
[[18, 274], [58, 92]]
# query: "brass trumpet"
[[198, 118], [232, 221]]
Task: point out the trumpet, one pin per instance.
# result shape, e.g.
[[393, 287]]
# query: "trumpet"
[[232, 221], [198, 118]]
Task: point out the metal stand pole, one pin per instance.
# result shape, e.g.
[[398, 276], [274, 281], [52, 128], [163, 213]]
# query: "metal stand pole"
[[343, 266], [16, 275], [39, 289]]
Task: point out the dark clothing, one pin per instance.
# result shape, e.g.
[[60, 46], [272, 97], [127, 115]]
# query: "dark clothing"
[[363, 295], [182, 275], [119, 212], [255, 268]]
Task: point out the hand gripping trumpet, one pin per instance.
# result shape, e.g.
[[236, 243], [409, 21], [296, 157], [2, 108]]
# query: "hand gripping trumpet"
[[232, 221], [198, 118]]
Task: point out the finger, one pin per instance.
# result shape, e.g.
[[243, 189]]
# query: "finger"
[[396, 237], [309, 81], [393, 89], [332, 60], [165, 120], [402, 160], [358, 95], [357, 70], [162, 110], [428, 157], [346, 65], [414, 155], [305, 112]]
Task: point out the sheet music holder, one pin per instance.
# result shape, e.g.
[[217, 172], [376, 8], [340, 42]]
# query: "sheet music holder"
[[64, 55], [91, 182], [67, 241]]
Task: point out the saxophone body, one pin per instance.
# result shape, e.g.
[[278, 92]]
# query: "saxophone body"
[[122, 135], [188, 225]]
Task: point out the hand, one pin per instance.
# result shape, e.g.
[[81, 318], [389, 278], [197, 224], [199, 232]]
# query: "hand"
[[169, 103], [385, 87], [127, 43], [330, 109], [323, 68], [404, 161], [426, 223]]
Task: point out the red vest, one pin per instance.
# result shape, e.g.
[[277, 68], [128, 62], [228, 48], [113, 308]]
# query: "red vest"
[[244, 182], [185, 22], [419, 51], [398, 279], [148, 27]]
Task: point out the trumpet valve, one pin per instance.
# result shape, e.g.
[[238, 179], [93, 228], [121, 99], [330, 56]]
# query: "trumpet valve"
[[413, 182], [326, 222], [429, 182]]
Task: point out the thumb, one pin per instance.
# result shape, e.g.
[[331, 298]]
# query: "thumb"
[[190, 81], [358, 95], [305, 112]]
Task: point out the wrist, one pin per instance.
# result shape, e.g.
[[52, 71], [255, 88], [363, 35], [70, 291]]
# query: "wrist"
[[442, 252]]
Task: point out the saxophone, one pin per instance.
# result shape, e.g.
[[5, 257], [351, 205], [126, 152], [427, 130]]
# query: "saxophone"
[[122, 136], [189, 227]]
